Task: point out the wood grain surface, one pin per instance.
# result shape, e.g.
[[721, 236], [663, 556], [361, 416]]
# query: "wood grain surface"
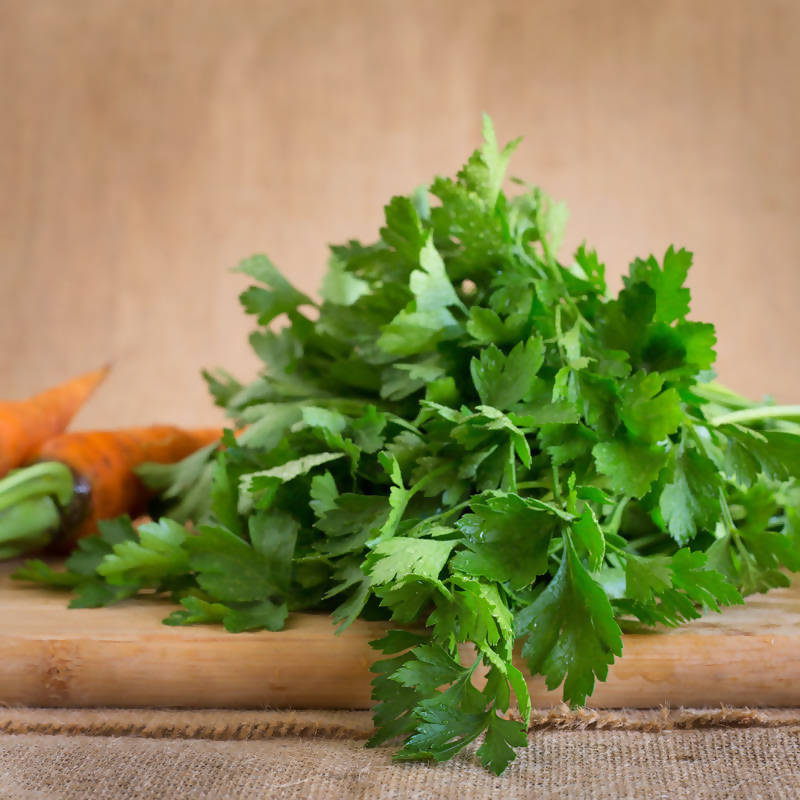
[[147, 145], [122, 656]]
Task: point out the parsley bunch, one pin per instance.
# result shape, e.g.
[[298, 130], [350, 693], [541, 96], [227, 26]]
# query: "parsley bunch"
[[473, 440]]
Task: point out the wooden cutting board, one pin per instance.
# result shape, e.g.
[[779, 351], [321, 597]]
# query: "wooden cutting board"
[[124, 656]]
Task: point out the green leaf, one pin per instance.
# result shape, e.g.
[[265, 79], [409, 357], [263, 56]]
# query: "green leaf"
[[430, 285], [588, 532], [355, 519], [690, 501], [570, 629], [431, 667], [270, 423], [224, 496], [475, 429], [156, 556], [80, 575], [253, 483], [238, 617], [90, 552], [496, 160], [630, 466], [666, 589], [37, 571], [693, 343], [228, 568], [441, 732], [751, 453], [754, 556], [222, 385], [648, 413], [183, 486], [517, 681], [412, 332], [408, 597], [273, 535], [502, 736], [368, 430], [401, 557], [485, 326], [706, 586], [623, 323], [501, 380], [394, 704], [403, 230], [94, 593], [197, 611], [324, 493], [263, 615], [646, 577], [280, 298], [444, 722], [342, 287], [591, 268], [672, 299], [545, 412], [474, 612], [507, 540]]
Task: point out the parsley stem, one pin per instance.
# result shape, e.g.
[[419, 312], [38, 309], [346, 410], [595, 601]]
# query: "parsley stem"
[[533, 485], [612, 546], [715, 392], [420, 484], [756, 415], [354, 406], [616, 517], [643, 541], [726, 511], [531, 312], [512, 467], [406, 496], [447, 512], [556, 485]]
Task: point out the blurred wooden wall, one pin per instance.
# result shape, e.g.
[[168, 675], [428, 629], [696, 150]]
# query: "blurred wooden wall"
[[147, 145]]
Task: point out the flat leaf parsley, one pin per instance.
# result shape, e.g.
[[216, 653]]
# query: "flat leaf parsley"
[[468, 435]]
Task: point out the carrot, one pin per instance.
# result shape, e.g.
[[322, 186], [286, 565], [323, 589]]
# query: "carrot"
[[26, 424], [86, 477]]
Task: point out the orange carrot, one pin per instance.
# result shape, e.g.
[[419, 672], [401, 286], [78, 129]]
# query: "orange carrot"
[[79, 479], [104, 463], [26, 424]]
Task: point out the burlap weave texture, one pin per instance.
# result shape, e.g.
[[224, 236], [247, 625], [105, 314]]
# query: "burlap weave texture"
[[597, 765], [696, 755]]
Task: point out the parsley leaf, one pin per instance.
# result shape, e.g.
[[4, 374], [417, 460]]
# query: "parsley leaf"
[[570, 631]]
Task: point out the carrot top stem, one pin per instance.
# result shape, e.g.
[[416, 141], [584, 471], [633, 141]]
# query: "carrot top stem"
[[29, 525], [32, 501], [50, 478]]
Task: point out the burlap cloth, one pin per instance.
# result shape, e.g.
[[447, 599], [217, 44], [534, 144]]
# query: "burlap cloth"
[[122, 754]]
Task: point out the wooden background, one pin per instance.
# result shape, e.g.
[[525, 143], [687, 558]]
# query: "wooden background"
[[147, 145]]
